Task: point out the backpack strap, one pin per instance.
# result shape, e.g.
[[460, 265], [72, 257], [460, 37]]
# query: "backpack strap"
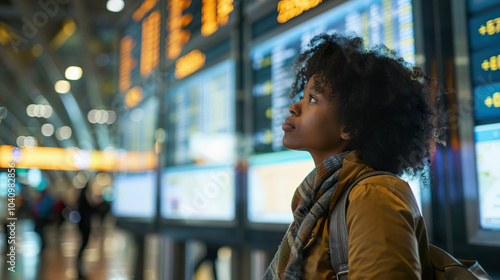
[[338, 240]]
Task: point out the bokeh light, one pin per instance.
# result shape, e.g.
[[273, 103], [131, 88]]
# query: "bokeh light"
[[47, 129], [103, 179], [62, 86], [63, 133], [73, 73], [115, 6], [74, 217]]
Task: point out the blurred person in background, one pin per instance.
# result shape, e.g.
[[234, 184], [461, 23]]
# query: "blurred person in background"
[[43, 214], [59, 206], [87, 202]]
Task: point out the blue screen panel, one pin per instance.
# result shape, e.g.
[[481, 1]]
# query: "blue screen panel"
[[487, 102], [478, 5], [484, 64], [201, 117], [135, 195], [484, 30], [272, 180], [203, 193], [488, 174]]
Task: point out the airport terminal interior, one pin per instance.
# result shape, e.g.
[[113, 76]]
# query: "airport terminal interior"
[[142, 139]]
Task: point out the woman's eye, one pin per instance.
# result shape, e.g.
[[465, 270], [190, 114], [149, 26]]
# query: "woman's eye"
[[312, 99]]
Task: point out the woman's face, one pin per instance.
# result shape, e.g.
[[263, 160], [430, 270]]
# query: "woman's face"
[[314, 125]]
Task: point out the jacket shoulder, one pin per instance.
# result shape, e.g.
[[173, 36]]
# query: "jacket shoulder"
[[394, 185]]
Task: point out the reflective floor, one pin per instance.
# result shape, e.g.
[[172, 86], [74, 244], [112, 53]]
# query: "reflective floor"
[[108, 255]]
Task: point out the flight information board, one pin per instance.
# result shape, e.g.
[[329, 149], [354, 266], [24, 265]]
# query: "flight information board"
[[137, 126], [201, 122], [484, 38], [484, 33], [488, 172], [203, 193], [139, 46], [134, 195], [478, 5], [188, 18], [377, 21]]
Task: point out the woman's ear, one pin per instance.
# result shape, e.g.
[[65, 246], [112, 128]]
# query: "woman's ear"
[[345, 135]]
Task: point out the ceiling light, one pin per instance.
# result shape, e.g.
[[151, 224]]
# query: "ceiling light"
[[30, 142], [101, 116], [112, 117], [62, 86], [40, 111], [47, 129], [30, 110], [97, 115], [63, 133], [20, 141], [48, 111], [115, 5], [104, 117], [91, 116], [73, 73]]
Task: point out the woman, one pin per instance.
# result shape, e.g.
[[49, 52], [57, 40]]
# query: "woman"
[[361, 110]]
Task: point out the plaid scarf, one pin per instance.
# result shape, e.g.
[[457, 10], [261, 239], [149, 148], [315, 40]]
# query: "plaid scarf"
[[309, 203]]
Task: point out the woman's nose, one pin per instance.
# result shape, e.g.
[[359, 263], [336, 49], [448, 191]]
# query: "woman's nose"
[[294, 109]]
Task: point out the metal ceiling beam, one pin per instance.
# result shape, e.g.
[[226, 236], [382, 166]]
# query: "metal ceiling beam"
[[91, 76], [81, 127], [8, 134]]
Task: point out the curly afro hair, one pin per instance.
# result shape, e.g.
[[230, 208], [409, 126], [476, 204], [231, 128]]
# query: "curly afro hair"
[[383, 102]]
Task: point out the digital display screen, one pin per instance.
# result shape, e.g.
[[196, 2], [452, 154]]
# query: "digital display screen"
[[484, 33], [484, 38], [198, 193], [485, 67], [488, 102], [135, 195], [272, 181], [378, 21], [138, 125], [488, 174], [139, 47], [187, 19], [484, 30], [201, 118], [478, 5]]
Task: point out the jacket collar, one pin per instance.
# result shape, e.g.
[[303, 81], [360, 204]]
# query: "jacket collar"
[[352, 168]]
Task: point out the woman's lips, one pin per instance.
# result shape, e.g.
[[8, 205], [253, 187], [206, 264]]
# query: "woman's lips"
[[288, 125]]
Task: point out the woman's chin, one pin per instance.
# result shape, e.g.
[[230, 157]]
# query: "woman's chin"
[[289, 144]]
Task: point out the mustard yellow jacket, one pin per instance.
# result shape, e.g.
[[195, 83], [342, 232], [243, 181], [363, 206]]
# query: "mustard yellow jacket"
[[387, 235]]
